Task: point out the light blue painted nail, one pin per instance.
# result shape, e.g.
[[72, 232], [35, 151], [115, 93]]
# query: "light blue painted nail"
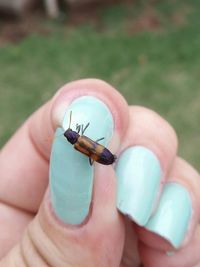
[[170, 253], [71, 176], [139, 173], [173, 214]]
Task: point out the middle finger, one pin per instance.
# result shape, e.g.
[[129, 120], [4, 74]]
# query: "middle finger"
[[147, 153]]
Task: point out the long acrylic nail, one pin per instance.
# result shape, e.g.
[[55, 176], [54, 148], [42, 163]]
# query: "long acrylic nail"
[[71, 176], [173, 214], [139, 174]]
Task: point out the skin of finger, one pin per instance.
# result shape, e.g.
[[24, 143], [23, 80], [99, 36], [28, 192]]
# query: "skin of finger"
[[97, 242], [198, 265], [131, 257], [187, 256], [149, 129], [184, 174], [28, 165], [10, 231]]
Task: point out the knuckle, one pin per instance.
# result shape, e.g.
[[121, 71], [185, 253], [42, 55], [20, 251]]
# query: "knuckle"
[[151, 130], [184, 172], [154, 123], [38, 250], [30, 253]]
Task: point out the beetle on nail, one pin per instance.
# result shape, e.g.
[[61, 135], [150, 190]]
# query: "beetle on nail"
[[85, 145]]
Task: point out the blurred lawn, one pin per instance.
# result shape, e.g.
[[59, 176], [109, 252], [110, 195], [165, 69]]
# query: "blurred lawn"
[[156, 64]]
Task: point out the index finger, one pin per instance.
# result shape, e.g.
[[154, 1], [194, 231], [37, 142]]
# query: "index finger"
[[25, 158]]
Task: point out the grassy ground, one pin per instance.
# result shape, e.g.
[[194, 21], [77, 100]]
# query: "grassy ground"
[[151, 54]]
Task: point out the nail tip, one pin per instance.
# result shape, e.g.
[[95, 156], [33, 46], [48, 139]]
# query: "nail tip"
[[133, 217], [172, 217], [138, 189]]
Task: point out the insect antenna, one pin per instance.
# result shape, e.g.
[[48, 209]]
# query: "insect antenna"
[[70, 119]]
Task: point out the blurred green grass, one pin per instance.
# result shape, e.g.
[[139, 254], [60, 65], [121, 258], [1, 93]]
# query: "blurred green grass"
[[154, 64]]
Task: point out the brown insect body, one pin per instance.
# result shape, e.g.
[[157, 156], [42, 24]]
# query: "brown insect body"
[[85, 145], [94, 150], [88, 147]]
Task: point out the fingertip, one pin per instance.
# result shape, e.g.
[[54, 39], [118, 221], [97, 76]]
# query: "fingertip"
[[96, 88], [176, 217], [170, 257]]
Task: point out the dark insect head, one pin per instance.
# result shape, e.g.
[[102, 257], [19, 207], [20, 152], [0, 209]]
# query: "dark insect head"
[[71, 136], [107, 157]]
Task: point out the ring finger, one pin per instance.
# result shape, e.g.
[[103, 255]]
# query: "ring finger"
[[173, 223]]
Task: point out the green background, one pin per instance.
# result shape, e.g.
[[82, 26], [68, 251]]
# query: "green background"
[[148, 50]]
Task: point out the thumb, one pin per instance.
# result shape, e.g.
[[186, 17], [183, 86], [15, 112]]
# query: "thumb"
[[77, 223], [98, 241]]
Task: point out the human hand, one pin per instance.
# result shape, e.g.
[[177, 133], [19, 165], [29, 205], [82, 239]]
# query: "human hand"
[[73, 222]]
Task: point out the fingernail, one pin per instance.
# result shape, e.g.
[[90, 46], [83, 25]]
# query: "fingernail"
[[139, 174], [173, 214], [170, 253], [71, 176]]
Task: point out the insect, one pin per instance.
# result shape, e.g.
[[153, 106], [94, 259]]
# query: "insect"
[[85, 145]]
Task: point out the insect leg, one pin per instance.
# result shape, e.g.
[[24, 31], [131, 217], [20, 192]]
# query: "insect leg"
[[91, 161], [83, 129], [100, 139], [78, 128]]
